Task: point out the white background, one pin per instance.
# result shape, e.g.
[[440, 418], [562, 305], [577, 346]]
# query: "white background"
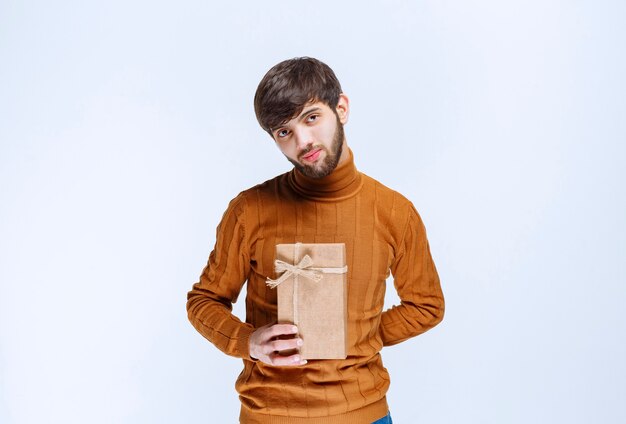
[[126, 127]]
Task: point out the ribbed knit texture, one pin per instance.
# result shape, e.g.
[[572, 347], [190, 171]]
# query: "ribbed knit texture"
[[382, 232]]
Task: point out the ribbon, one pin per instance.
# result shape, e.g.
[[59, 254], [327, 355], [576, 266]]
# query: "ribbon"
[[302, 268]]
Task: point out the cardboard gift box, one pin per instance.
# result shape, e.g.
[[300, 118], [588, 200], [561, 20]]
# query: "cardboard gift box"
[[312, 294]]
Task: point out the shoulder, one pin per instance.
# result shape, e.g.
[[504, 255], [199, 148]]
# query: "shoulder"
[[385, 196], [395, 211], [252, 199], [266, 189]]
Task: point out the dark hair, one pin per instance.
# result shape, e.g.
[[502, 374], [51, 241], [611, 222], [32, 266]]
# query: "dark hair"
[[287, 88]]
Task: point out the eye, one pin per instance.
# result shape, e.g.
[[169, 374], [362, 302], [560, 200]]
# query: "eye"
[[282, 133], [312, 118]]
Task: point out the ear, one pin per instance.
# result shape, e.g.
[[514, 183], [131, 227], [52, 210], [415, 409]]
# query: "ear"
[[343, 108]]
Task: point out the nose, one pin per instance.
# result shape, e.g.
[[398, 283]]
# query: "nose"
[[303, 137]]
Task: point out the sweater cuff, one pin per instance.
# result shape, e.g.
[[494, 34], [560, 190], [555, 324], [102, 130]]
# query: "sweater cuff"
[[243, 342]]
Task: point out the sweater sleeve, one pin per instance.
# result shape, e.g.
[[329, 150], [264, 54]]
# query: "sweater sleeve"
[[209, 303], [417, 283]]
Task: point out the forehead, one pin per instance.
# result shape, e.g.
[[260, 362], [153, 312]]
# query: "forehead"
[[313, 106]]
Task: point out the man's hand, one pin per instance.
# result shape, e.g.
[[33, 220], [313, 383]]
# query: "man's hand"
[[269, 345]]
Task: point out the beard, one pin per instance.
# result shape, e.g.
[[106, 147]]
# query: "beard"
[[331, 159]]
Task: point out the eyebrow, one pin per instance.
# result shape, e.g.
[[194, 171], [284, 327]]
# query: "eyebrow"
[[302, 115], [306, 112]]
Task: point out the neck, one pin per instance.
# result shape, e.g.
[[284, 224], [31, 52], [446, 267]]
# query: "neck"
[[344, 182], [346, 154]]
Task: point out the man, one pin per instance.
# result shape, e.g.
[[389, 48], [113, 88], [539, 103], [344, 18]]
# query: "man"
[[324, 199]]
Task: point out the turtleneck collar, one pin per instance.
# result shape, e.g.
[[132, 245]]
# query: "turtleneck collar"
[[344, 182]]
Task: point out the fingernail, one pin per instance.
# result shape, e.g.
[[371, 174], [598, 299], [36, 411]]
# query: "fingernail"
[[299, 342], [296, 359], [303, 362], [294, 329]]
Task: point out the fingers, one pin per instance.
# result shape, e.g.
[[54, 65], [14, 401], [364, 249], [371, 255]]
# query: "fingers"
[[286, 361], [281, 330], [277, 345], [281, 345]]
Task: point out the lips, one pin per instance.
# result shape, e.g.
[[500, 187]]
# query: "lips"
[[312, 156]]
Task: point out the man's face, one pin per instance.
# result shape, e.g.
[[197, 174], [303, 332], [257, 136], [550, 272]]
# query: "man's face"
[[313, 140]]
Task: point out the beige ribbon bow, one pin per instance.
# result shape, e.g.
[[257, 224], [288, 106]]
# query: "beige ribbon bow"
[[302, 268]]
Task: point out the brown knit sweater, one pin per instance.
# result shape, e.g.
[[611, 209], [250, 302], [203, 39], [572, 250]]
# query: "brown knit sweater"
[[382, 232]]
